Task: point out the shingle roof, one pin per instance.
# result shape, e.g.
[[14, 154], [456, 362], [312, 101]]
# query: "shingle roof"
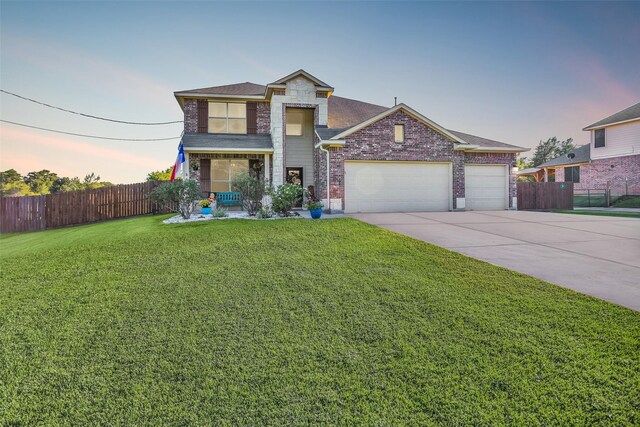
[[630, 113], [326, 134], [528, 171], [247, 88], [346, 113], [222, 141], [581, 154], [482, 142]]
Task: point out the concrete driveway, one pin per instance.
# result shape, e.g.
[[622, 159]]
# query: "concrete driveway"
[[595, 255]]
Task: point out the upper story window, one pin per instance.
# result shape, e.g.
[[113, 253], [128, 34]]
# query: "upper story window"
[[572, 174], [398, 133], [227, 117], [599, 138], [295, 120]]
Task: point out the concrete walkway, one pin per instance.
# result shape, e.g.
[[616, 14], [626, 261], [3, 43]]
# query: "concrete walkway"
[[595, 255]]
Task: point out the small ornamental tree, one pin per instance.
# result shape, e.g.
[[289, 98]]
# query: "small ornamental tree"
[[284, 198], [252, 189], [179, 196]]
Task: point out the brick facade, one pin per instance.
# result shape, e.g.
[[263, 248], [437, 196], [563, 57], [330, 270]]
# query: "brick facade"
[[619, 174], [421, 143], [263, 117], [190, 116]]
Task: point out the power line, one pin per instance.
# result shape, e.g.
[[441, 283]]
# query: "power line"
[[88, 115], [88, 136]]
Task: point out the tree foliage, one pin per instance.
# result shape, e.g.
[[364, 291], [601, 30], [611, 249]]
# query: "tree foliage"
[[252, 189], [45, 182], [179, 196], [163, 175], [550, 149]]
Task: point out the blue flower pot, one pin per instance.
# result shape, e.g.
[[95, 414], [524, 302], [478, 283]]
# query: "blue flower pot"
[[206, 211], [316, 213]]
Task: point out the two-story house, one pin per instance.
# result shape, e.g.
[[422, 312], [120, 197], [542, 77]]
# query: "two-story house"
[[610, 161], [360, 157]]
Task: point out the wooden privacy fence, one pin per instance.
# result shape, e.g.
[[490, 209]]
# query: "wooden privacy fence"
[[76, 207], [545, 195]]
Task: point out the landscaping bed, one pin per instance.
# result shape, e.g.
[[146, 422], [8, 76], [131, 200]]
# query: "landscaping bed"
[[134, 322]]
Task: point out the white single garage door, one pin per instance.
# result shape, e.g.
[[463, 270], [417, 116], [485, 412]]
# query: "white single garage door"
[[397, 187], [486, 187]]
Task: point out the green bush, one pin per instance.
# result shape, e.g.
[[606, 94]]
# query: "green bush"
[[284, 198], [219, 213], [178, 196], [264, 213], [252, 189]]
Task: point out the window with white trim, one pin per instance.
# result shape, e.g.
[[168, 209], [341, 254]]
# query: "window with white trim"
[[599, 140], [224, 170], [398, 133], [227, 117], [295, 120]]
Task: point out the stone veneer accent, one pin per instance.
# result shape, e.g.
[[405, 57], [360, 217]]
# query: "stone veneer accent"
[[422, 143], [190, 116], [620, 174], [300, 93]]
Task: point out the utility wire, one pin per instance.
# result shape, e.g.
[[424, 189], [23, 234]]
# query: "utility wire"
[[89, 115], [88, 136]]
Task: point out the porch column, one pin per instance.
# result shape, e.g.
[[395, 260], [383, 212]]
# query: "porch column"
[[546, 175], [267, 169]]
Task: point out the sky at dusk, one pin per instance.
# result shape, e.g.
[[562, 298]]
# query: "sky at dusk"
[[514, 72]]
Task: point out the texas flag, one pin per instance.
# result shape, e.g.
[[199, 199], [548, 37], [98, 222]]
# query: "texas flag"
[[178, 165]]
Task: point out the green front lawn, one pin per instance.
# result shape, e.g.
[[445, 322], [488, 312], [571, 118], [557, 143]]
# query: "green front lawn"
[[297, 322]]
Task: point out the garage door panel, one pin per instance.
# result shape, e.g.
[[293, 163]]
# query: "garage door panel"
[[486, 187], [396, 187]]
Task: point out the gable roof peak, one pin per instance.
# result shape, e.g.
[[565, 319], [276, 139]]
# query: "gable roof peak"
[[301, 72]]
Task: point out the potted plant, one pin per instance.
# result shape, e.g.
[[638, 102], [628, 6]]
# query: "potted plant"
[[206, 206], [315, 208]]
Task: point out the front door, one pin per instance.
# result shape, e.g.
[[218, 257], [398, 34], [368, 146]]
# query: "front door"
[[294, 176]]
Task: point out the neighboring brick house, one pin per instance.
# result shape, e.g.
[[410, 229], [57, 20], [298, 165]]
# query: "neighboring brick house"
[[611, 161], [380, 159]]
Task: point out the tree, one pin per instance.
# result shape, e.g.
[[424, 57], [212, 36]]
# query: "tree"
[[10, 176], [252, 189], [63, 184], [550, 149], [40, 182], [164, 175], [178, 196]]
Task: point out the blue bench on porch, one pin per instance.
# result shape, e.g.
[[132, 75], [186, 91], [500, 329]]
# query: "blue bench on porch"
[[228, 198]]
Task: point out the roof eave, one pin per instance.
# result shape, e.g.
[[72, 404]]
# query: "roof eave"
[[229, 150], [596, 127], [330, 143]]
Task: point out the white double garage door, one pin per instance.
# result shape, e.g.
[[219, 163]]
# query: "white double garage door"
[[415, 187]]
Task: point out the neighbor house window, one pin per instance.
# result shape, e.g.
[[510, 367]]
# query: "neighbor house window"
[[227, 117], [572, 174], [224, 170], [295, 120], [599, 138], [398, 131]]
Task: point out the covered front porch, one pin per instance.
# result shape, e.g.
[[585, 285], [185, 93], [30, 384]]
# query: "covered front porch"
[[215, 159]]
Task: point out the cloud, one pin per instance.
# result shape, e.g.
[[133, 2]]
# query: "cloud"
[[93, 71], [27, 150]]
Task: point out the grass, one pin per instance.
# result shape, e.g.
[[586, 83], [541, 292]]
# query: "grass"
[[297, 322], [627, 202], [601, 213], [586, 201]]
